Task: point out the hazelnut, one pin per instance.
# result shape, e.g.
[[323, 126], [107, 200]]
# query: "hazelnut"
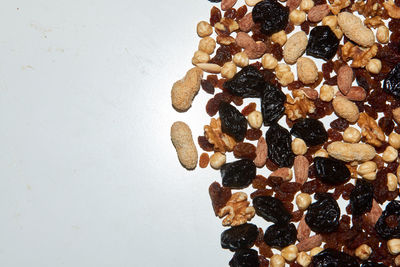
[[297, 17], [394, 246], [277, 261], [351, 135], [303, 259], [281, 68], [390, 154], [321, 153], [269, 61], [290, 253], [299, 147], [217, 160], [363, 252], [326, 93], [382, 34], [306, 5], [200, 57], [394, 140], [287, 78], [374, 66], [252, 2], [279, 37], [204, 29], [391, 182], [303, 200], [315, 251], [330, 21], [255, 119], [241, 59], [207, 44], [228, 70]]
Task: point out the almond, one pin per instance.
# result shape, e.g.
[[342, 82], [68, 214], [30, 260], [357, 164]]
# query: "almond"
[[373, 215], [246, 23], [285, 173], [345, 79], [227, 4], [300, 167], [293, 4], [310, 243], [261, 152], [317, 13], [303, 231], [356, 93]]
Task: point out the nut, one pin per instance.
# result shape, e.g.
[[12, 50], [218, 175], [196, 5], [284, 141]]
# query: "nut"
[[279, 38], [295, 47], [200, 57], [285, 173], [356, 93], [299, 147], [360, 57], [307, 71], [289, 253], [391, 182], [182, 139], [226, 26], [252, 48], [301, 166], [284, 74], [246, 23], [363, 252], [326, 93], [351, 135], [397, 260], [183, 91], [277, 261], [309, 243], [370, 130], [293, 4], [255, 119], [225, 40], [252, 2], [330, 21], [344, 79], [310, 93], [298, 106], [317, 13], [394, 140], [374, 22], [209, 67], [392, 9], [227, 4], [221, 141], [237, 210], [306, 5], [303, 230], [351, 152], [370, 176], [374, 66], [269, 61], [390, 154], [297, 17], [394, 246], [373, 215], [354, 29], [315, 251], [396, 114], [207, 44], [303, 200], [217, 160], [338, 5], [303, 259], [204, 29], [367, 167], [382, 34], [241, 59], [321, 153], [261, 153], [346, 109], [228, 70]]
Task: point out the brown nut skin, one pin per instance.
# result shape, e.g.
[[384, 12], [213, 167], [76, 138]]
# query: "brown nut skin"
[[181, 137], [317, 13], [345, 79], [355, 30], [183, 91]]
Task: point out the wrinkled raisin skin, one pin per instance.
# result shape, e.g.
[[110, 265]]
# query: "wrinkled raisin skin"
[[333, 258], [239, 237], [232, 121], [381, 226], [322, 43], [238, 174], [280, 235], [248, 82], [272, 16], [279, 144], [272, 104], [271, 209], [361, 197], [245, 258], [312, 131], [323, 216], [392, 82], [331, 171]]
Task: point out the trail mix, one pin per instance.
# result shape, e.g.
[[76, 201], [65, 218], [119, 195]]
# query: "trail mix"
[[257, 48]]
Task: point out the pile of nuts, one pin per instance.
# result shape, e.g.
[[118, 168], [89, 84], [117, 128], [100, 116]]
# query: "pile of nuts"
[[364, 133]]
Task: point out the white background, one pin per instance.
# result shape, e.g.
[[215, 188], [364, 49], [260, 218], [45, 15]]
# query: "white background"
[[88, 174]]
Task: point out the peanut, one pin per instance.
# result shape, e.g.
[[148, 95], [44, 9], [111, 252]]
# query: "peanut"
[[182, 139], [345, 109], [295, 47], [355, 30], [351, 152], [183, 91], [307, 71]]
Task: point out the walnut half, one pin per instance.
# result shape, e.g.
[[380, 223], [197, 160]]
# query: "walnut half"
[[221, 141], [298, 106], [237, 210], [370, 130]]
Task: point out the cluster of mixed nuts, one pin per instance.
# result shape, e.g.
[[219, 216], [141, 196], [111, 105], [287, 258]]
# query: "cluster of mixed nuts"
[[310, 167]]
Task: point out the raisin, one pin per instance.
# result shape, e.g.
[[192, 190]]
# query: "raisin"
[[215, 15], [280, 235], [322, 43], [204, 160], [238, 237], [244, 151], [245, 258], [219, 196], [312, 131], [271, 209], [232, 121], [382, 228], [204, 144], [333, 258], [238, 174], [207, 86], [272, 104], [272, 16], [279, 144], [339, 124], [230, 13], [386, 124], [249, 109], [372, 264], [331, 171], [222, 55], [361, 197], [249, 82], [253, 134], [323, 216], [392, 81], [215, 1]]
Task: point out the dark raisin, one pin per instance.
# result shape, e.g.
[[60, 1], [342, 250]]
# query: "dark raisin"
[[272, 16], [244, 151], [312, 131], [323, 216], [333, 258], [232, 121], [339, 124], [280, 235], [253, 134], [245, 258], [382, 228], [204, 144], [222, 55], [279, 144], [322, 43], [215, 1], [219, 196], [249, 82], [392, 81], [238, 237], [271, 209], [238, 174], [372, 264], [331, 171], [272, 104], [361, 197], [386, 124], [207, 86]]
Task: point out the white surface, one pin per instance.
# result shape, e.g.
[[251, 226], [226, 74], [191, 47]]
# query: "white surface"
[[89, 176]]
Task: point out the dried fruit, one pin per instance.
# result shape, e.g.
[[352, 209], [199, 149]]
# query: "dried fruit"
[[245, 258], [271, 209], [361, 198], [312, 131], [392, 82], [333, 258], [280, 235], [238, 174], [244, 151], [272, 16], [322, 43], [239, 237], [279, 146], [219, 196], [272, 104], [382, 227], [323, 216], [232, 121], [331, 171], [248, 82]]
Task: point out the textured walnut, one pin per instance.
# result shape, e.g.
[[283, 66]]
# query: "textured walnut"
[[369, 8], [337, 5], [370, 130], [237, 210], [221, 141], [226, 26], [298, 106], [374, 22], [360, 56], [392, 9]]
